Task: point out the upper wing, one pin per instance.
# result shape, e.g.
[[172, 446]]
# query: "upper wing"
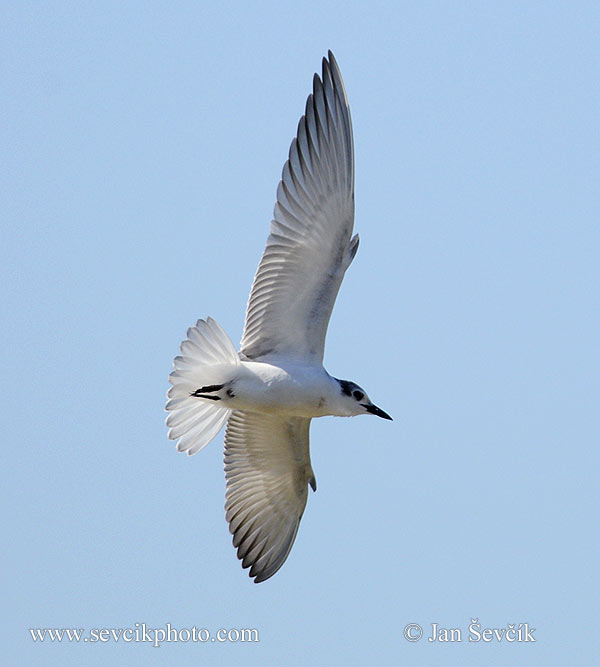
[[309, 247], [267, 467]]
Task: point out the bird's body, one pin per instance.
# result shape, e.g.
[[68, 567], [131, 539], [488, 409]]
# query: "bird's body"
[[270, 390], [285, 388]]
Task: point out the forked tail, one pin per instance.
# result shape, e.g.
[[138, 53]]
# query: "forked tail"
[[206, 361]]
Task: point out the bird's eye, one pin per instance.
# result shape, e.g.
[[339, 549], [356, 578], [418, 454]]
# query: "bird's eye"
[[358, 395]]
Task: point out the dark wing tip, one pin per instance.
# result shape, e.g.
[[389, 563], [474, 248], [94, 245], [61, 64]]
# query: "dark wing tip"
[[261, 571], [332, 61]]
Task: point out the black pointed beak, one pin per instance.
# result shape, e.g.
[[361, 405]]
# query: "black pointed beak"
[[374, 410]]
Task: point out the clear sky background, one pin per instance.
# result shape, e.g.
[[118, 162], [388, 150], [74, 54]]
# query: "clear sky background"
[[142, 143]]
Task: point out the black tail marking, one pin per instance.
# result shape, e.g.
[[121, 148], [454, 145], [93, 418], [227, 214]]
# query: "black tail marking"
[[208, 389], [201, 393], [211, 398]]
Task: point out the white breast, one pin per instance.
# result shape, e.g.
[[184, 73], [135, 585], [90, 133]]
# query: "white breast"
[[291, 390]]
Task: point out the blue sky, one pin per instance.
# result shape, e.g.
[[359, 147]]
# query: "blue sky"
[[142, 144]]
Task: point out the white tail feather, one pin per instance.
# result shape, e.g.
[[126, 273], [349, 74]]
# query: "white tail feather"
[[207, 356]]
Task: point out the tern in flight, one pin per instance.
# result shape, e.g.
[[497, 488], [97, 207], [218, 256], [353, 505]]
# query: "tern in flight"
[[270, 390]]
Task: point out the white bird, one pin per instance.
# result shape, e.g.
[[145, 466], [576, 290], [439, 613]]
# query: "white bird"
[[276, 384]]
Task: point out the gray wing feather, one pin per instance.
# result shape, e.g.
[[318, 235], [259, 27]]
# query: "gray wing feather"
[[267, 467], [309, 247]]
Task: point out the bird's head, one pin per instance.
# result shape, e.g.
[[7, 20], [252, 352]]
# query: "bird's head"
[[356, 402]]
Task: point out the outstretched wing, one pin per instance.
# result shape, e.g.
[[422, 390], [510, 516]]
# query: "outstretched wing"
[[267, 467], [309, 247]]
